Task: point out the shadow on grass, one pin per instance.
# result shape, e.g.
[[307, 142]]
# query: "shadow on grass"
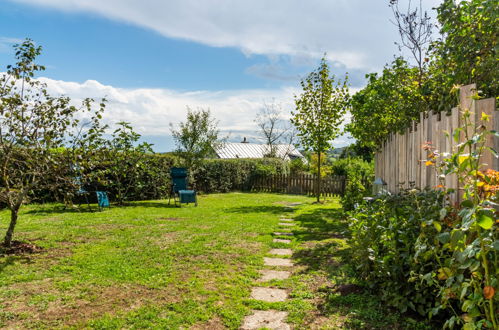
[[323, 228], [324, 238], [274, 209], [11, 260]]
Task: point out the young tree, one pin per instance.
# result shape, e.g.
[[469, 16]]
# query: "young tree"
[[415, 30], [33, 126], [272, 126], [319, 112], [197, 137], [125, 157]]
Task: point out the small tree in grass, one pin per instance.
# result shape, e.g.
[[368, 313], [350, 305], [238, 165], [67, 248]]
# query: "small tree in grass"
[[34, 126], [197, 137], [125, 157], [319, 112]]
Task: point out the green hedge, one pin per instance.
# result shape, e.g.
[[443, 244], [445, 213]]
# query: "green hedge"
[[223, 175], [153, 177]]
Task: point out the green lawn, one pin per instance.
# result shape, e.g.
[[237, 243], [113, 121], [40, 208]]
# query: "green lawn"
[[149, 265]]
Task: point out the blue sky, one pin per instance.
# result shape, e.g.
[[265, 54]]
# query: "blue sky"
[[152, 58]]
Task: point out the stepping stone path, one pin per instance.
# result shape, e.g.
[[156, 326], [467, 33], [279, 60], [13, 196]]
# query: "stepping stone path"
[[266, 319], [283, 234], [277, 262], [272, 319], [268, 275], [281, 252], [280, 240], [269, 294]]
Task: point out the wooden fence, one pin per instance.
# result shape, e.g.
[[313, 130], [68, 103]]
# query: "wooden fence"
[[400, 161], [303, 184]]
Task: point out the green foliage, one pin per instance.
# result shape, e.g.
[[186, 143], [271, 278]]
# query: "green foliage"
[[223, 175], [196, 138], [124, 156], [466, 53], [298, 166], [319, 112], [389, 103], [435, 258], [359, 175], [384, 239], [33, 124]]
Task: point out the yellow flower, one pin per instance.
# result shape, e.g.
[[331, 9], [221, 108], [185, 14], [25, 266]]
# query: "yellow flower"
[[485, 117]]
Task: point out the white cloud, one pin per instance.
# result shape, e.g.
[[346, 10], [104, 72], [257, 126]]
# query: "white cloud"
[[356, 33], [6, 43], [152, 110]]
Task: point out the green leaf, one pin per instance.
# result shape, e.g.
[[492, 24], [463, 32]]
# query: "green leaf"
[[485, 219], [443, 237]]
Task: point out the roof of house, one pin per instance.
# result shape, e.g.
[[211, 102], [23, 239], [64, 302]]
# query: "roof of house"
[[253, 150]]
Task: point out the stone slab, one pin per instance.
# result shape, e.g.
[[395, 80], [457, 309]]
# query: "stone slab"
[[280, 240], [270, 319], [277, 262], [281, 252], [286, 219], [268, 275], [269, 294], [286, 224], [282, 234]]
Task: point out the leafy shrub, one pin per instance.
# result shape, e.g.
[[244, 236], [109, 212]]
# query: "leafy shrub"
[[385, 235], [435, 258], [359, 175], [223, 175]]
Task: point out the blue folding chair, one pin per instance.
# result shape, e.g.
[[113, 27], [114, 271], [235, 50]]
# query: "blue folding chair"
[[179, 186], [102, 199]]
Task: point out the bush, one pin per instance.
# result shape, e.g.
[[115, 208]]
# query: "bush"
[[385, 234], [359, 175]]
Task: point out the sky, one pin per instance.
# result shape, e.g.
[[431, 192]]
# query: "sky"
[[152, 59]]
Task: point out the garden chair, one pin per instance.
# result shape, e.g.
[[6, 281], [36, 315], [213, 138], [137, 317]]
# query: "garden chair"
[[179, 186], [102, 200]]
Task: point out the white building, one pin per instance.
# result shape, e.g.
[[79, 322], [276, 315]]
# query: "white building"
[[244, 149]]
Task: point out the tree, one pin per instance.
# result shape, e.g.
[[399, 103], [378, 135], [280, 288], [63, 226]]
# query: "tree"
[[197, 137], [389, 103], [319, 112], [466, 51], [125, 157], [415, 30], [33, 126], [273, 128]]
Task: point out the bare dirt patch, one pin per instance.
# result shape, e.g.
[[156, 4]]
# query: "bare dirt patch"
[[20, 248], [346, 289], [213, 324], [77, 306]]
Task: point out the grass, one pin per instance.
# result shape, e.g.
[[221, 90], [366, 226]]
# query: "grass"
[[149, 265]]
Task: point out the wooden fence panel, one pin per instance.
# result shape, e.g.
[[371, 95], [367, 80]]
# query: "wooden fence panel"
[[400, 161], [298, 184]]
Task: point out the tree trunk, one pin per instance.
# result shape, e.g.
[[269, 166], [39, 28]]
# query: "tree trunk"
[[12, 225], [318, 177]]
